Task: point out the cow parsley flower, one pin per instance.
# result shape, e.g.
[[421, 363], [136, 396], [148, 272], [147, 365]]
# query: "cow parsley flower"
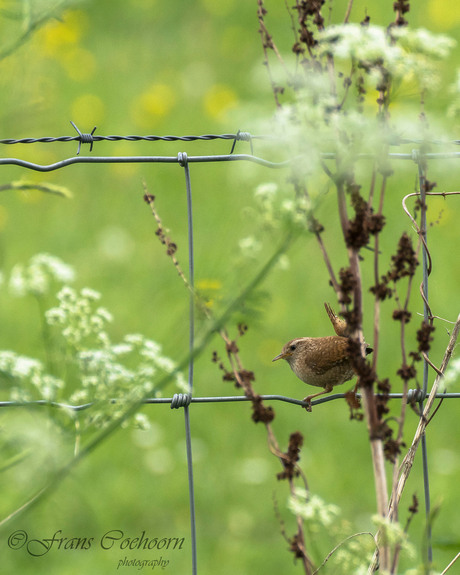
[[404, 53], [313, 508], [26, 373], [37, 276], [250, 247], [452, 374], [97, 371]]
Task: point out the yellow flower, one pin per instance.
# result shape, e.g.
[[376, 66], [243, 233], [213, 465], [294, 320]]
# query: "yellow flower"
[[206, 287], [155, 102], [207, 284], [219, 100], [57, 35]]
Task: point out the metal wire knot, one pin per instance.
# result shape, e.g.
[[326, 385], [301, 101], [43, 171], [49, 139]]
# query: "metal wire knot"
[[242, 136], [84, 138], [414, 395], [182, 159], [181, 400]]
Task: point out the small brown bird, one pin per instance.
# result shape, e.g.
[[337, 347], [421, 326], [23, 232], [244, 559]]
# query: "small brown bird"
[[321, 361]]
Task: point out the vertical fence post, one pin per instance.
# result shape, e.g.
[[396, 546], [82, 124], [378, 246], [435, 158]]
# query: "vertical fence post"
[[183, 161], [423, 230]]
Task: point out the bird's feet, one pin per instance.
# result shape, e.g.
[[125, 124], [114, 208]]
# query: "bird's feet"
[[307, 400], [328, 388]]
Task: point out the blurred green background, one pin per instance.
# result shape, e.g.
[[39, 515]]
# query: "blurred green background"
[[151, 67]]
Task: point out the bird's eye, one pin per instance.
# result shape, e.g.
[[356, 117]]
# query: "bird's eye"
[[292, 347]]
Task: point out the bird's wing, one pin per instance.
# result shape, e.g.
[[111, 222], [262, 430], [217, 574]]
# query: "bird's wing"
[[323, 358]]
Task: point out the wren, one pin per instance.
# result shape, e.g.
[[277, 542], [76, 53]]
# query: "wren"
[[321, 361]]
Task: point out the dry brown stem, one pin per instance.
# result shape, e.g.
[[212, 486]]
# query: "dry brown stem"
[[408, 460]]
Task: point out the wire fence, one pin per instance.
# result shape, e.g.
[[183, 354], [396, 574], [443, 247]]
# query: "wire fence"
[[183, 160]]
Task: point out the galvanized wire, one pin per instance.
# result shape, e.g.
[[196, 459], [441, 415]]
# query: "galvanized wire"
[[191, 280], [199, 159], [426, 314], [90, 138], [179, 400], [140, 160]]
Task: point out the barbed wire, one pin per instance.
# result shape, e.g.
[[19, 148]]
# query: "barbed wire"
[[90, 138]]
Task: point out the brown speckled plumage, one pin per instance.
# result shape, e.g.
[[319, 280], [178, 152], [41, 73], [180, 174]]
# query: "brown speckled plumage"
[[321, 361]]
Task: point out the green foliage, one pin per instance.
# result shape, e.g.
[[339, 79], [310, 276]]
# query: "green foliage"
[[32, 15]]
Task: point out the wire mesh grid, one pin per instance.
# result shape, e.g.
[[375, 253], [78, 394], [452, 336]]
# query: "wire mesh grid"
[[183, 160]]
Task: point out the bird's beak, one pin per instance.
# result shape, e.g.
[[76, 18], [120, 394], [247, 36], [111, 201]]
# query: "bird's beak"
[[280, 356]]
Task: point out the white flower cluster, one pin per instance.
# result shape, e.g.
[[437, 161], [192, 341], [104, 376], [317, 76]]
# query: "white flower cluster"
[[354, 556], [103, 373], [304, 125], [405, 53], [24, 374], [452, 374], [454, 109], [394, 534], [275, 208], [313, 508], [37, 277], [325, 115], [77, 318], [96, 370], [250, 247], [424, 42], [266, 196], [103, 376]]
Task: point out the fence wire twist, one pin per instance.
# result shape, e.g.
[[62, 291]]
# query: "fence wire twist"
[[185, 400]]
